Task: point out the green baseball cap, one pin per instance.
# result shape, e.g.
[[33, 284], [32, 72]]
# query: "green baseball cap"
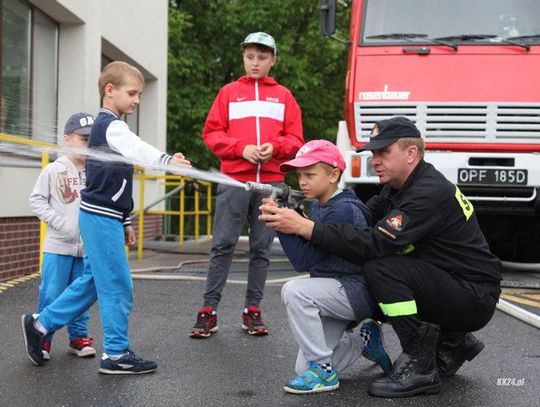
[[260, 38]]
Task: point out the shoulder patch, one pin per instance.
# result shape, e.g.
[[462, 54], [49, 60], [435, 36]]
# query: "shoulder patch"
[[394, 223], [396, 220]]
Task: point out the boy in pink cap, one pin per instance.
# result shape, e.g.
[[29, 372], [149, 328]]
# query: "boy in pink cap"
[[323, 309]]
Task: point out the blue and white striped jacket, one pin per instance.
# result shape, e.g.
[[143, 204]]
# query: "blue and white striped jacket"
[[109, 183]]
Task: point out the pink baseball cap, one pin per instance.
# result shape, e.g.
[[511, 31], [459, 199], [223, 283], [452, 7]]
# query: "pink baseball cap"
[[313, 152]]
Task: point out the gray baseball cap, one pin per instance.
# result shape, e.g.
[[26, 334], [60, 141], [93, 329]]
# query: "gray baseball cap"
[[79, 123], [260, 38]]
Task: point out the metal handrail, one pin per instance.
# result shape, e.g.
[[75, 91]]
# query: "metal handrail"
[[170, 180], [44, 161], [180, 183]]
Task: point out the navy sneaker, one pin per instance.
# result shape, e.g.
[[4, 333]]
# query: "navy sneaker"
[[32, 339], [127, 364], [374, 349]]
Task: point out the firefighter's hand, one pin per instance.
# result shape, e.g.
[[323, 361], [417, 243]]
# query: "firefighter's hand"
[[250, 154], [265, 152], [129, 234], [286, 220], [180, 160], [270, 202]]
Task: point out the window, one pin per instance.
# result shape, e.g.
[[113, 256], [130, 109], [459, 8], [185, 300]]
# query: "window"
[[28, 82]]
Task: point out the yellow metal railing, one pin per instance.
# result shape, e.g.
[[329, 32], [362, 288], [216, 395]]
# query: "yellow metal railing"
[[44, 161], [169, 180], [197, 212]]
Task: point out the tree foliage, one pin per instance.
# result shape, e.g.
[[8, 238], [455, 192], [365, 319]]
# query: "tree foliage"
[[205, 54]]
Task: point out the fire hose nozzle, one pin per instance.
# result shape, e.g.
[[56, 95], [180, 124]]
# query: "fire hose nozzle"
[[283, 194]]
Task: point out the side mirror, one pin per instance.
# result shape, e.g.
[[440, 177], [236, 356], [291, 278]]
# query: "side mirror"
[[328, 17]]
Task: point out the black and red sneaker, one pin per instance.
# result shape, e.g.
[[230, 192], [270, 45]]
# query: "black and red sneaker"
[[206, 323], [46, 349], [252, 322]]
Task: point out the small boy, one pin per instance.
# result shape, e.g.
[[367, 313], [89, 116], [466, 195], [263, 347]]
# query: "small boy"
[[253, 126], [55, 200], [335, 299], [105, 228]]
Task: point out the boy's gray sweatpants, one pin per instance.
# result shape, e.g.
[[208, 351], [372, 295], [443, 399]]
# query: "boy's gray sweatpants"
[[233, 207], [319, 314]]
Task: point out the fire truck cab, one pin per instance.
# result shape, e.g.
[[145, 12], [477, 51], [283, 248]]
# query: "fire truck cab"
[[467, 73]]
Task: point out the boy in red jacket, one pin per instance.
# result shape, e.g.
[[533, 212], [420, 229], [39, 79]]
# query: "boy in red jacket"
[[253, 126]]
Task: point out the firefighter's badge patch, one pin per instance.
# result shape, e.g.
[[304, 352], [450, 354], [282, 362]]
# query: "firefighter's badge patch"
[[393, 224]]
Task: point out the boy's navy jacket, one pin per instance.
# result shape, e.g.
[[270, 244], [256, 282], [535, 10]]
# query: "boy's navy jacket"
[[344, 207], [109, 185]]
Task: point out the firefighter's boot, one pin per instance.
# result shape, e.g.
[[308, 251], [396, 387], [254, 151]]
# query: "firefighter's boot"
[[415, 370], [453, 349]]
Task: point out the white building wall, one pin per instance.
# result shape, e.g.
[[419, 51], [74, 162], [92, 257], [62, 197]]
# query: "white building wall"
[[134, 31]]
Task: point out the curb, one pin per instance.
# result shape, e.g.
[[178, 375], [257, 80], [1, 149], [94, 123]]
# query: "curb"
[[12, 283]]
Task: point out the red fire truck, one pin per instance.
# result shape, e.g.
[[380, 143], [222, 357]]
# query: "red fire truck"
[[467, 72]]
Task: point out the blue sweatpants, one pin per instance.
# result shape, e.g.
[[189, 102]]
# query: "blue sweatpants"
[[57, 273], [106, 278]]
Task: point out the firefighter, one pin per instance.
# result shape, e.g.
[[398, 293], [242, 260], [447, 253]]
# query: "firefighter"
[[426, 260]]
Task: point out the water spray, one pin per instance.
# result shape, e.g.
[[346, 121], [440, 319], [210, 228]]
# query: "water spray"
[[283, 194], [112, 158]]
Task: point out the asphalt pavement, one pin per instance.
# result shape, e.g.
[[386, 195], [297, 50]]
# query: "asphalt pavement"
[[232, 368]]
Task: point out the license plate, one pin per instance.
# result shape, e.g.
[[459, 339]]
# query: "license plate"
[[492, 176]]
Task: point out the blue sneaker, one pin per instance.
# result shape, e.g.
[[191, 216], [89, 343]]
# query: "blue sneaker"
[[374, 349], [314, 380], [127, 364]]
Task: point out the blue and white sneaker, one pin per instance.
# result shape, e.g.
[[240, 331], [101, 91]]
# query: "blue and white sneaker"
[[127, 364], [314, 380], [374, 349]]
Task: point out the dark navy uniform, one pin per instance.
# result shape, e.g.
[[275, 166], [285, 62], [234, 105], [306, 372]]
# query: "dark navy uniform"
[[425, 257]]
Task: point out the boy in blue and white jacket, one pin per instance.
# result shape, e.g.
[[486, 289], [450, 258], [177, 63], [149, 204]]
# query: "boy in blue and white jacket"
[[106, 228], [323, 308]]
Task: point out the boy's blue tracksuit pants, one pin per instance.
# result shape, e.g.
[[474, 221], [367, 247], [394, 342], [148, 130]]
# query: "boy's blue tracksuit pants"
[[58, 271], [106, 278]]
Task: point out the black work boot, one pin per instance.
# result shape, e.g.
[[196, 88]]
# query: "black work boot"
[[453, 349], [414, 372]]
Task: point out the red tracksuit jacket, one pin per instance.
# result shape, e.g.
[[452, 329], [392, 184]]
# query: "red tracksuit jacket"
[[250, 111]]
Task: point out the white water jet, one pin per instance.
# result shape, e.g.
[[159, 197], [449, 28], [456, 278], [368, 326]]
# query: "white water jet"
[[106, 156]]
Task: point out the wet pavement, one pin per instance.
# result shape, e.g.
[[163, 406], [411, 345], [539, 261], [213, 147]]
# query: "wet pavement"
[[231, 368]]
